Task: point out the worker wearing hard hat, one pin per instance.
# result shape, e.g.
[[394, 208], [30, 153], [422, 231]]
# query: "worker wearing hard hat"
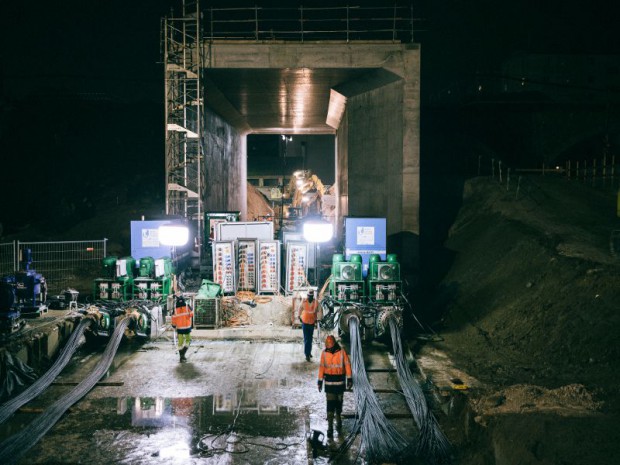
[[310, 314], [182, 322], [334, 371]]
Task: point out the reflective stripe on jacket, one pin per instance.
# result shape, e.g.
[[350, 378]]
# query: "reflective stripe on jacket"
[[309, 312], [182, 317], [334, 367]]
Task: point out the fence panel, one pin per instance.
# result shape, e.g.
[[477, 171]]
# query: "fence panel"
[[65, 264], [7, 258]]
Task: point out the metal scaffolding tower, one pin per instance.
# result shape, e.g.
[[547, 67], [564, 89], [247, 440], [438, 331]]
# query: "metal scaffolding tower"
[[183, 64]]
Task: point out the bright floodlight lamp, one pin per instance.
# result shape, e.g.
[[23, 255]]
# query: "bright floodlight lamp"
[[318, 230], [173, 235]]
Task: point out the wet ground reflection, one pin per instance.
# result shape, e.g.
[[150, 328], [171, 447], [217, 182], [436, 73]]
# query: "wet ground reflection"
[[228, 427]]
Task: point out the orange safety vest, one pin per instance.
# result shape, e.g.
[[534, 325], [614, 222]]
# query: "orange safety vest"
[[334, 367], [182, 317], [309, 311]]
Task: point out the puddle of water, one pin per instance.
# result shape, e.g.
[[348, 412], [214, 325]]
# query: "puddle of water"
[[231, 427]]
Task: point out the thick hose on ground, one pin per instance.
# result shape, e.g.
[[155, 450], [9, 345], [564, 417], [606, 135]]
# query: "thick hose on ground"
[[380, 439], [17, 445], [10, 407], [432, 442]]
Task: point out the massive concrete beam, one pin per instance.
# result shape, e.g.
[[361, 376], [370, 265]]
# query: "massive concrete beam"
[[374, 111]]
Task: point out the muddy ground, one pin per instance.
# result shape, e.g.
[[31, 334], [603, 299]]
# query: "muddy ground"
[[531, 308]]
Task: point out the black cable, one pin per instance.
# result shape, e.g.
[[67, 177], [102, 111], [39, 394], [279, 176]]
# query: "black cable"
[[382, 442], [11, 406], [432, 443], [14, 447]]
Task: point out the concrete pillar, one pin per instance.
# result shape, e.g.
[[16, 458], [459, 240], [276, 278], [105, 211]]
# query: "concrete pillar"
[[225, 166]]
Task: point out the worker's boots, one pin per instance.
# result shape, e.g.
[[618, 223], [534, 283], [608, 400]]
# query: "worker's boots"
[[330, 425], [182, 354], [338, 422]]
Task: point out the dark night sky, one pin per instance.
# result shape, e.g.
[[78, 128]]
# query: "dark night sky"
[[109, 50], [113, 46]]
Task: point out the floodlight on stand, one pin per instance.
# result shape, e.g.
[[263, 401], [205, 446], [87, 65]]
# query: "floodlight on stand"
[[318, 230], [173, 235]]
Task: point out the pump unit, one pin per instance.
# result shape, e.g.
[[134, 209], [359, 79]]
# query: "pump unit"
[[146, 319], [346, 283], [155, 279], [117, 280], [384, 284], [22, 294]]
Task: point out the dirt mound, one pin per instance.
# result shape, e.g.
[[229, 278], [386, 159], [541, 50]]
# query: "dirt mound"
[[258, 207], [531, 309], [569, 400]]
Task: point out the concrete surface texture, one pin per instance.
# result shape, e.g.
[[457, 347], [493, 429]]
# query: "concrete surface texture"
[[367, 94], [233, 401]]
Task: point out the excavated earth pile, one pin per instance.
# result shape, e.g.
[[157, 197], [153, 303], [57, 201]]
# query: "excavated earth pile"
[[531, 309]]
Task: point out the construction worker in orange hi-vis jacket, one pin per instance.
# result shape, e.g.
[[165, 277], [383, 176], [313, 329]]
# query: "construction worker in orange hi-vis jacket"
[[183, 322], [335, 373], [310, 314]]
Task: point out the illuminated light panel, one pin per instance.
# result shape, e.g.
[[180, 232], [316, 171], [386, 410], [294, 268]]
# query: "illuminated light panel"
[[173, 235]]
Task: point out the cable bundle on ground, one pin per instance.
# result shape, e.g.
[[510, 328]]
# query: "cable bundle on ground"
[[432, 443], [380, 439], [10, 407], [12, 448]]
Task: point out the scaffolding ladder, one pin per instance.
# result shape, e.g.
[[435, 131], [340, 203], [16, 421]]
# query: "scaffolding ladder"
[[184, 153]]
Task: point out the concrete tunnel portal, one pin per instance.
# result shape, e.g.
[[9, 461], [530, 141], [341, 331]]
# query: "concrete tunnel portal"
[[365, 94]]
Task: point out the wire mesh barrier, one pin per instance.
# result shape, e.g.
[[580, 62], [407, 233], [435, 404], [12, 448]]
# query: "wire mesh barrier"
[[598, 172], [64, 263], [14, 447], [343, 23], [382, 442], [432, 442], [10, 407], [7, 258]]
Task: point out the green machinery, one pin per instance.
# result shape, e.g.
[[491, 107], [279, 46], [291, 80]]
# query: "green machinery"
[[373, 301], [117, 280], [347, 284], [154, 280], [384, 284]]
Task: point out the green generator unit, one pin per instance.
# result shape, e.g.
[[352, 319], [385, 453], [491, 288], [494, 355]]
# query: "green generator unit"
[[154, 281], [146, 267], [117, 280], [384, 284], [347, 284]]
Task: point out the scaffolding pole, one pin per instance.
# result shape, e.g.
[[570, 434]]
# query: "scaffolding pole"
[[184, 152]]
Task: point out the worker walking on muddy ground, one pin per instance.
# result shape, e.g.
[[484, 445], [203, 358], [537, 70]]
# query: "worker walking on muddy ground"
[[183, 322], [335, 372], [309, 316]]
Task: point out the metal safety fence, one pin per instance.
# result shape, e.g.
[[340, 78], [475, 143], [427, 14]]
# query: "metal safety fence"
[[598, 172], [63, 264], [7, 258], [395, 23]]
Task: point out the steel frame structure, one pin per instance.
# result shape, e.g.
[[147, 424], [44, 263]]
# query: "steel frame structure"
[[184, 153]]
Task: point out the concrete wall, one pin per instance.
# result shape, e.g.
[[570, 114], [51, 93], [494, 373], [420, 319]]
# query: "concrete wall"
[[225, 166], [342, 173], [375, 147]]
